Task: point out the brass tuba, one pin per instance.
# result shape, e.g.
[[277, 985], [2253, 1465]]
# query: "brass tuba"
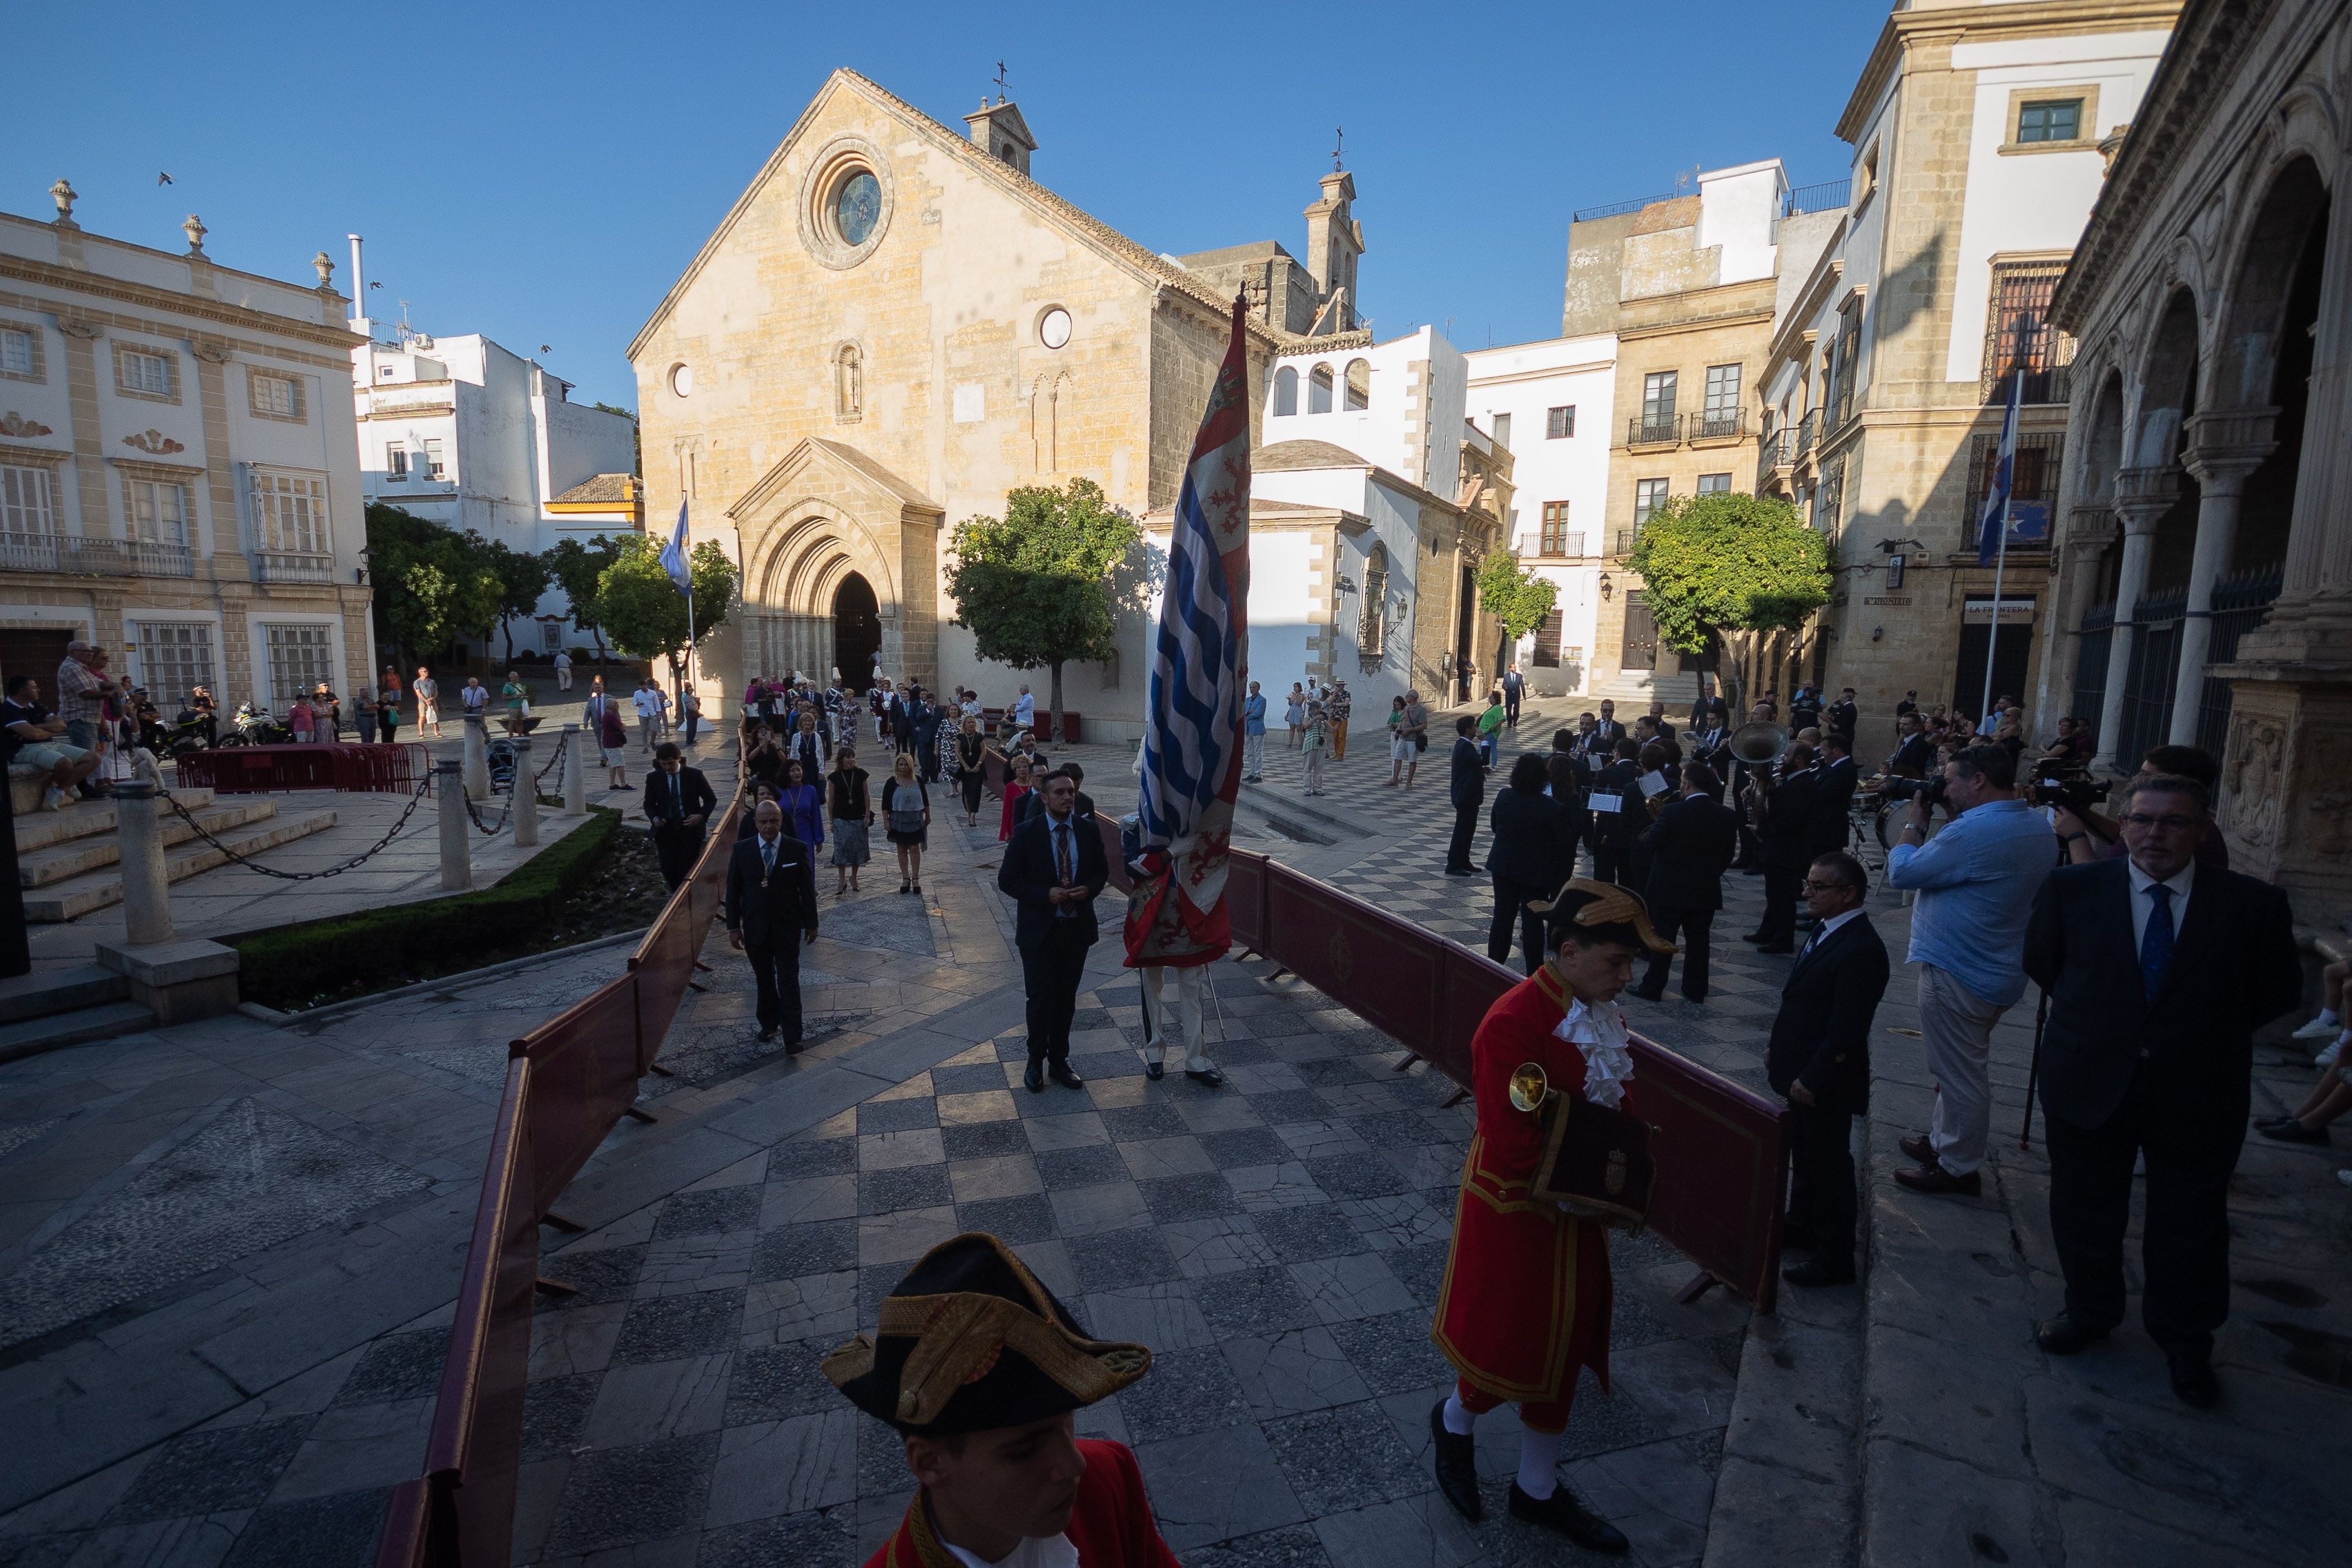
[[1758, 746]]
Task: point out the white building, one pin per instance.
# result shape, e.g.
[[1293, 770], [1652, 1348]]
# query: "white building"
[[1550, 405], [466, 433], [179, 480], [1371, 500]]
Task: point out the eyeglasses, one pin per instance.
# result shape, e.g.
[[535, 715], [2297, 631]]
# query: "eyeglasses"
[[2167, 824]]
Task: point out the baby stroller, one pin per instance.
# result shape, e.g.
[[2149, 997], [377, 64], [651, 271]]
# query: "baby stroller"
[[501, 757]]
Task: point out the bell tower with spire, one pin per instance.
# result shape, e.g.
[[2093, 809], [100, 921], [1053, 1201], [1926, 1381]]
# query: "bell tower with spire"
[[1335, 242], [998, 129]]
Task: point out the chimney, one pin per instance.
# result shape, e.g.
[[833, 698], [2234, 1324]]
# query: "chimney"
[[359, 290]]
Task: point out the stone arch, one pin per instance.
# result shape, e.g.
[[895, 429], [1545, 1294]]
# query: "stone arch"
[[2167, 381], [2102, 444], [2270, 247], [1358, 380], [1285, 392], [803, 557]]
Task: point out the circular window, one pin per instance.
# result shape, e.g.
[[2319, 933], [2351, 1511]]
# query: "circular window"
[[845, 203], [1054, 328], [682, 380], [857, 207]]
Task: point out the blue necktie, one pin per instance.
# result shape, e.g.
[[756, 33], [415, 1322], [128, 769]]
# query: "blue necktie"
[[2156, 942]]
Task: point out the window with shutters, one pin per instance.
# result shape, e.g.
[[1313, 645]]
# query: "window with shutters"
[[149, 373], [275, 396], [175, 658], [434, 468], [2019, 337], [1649, 495], [395, 461], [1720, 415], [1842, 366], [1546, 654], [1503, 430], [20, 351], [1559, 423], [299, 657], [28, 501], [1554, 538]]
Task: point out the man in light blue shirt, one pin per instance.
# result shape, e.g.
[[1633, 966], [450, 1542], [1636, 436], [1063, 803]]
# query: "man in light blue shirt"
[[1976, 884], [1254, 734]]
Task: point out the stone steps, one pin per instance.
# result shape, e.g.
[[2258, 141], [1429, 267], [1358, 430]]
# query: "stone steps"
[[80, 895], [84, 819], [91, 851], [79, 1027]]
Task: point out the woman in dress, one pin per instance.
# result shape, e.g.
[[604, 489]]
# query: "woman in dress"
[[1016, 784], [1294, 714], [853, 813], [803, 804], [971, 768], [906, 810], [807, 746]]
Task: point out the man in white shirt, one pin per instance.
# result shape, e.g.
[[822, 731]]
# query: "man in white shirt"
[[1024, 709], [648, 705], [475, 698], [563, 671]]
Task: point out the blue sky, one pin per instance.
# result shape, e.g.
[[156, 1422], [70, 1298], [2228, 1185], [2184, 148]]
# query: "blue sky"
[[543, 174]]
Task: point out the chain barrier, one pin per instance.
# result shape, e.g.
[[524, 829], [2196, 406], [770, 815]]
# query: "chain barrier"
[[424, 788], [487, 829]]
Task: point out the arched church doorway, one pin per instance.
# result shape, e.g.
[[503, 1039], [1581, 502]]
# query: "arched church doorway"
[[857, 631]]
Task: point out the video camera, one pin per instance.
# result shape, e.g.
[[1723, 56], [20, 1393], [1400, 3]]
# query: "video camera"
[[1929, 789], [2068, 789]]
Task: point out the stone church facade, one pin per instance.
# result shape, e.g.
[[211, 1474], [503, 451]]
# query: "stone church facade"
[[894, 326]]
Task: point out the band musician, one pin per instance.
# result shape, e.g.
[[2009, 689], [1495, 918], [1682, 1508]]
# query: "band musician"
[[1526, 1296]]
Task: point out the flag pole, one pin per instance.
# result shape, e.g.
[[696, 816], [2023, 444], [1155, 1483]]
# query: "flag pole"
[[2000, 554]]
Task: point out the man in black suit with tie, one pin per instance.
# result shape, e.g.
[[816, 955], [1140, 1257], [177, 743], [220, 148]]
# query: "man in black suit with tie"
[[2159, 970], [1054, 869], [1787, 835], [679, 804], [1835, 777], [1691, 846], [1467, 788], [1843, 716], [771, 908], [1614, 829], [1912, 756], [1608, 731], [1819, 1057]]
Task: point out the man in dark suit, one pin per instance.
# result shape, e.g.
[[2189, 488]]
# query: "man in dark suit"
[[2159, 970], [1819, 1056], [679, 804], [1691, 846], [1912, 756], [1787, 837], [1835, 777], [1607, 732], [1613, 832], [1052, 870], [770, 908], [1469, 790]]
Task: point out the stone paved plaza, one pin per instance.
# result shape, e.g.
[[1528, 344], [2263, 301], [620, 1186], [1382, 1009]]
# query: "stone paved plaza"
[[229, 1252]]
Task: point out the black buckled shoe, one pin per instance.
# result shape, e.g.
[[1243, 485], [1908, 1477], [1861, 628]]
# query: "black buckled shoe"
[[1457, 1466], [1561, 1512]]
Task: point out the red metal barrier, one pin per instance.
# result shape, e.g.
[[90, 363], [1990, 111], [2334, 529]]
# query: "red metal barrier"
[[402, 1542], [1384, 969], [584, 1070], [664, 961], [353, 769]]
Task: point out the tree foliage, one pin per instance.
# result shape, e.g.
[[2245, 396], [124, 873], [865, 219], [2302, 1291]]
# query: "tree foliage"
[[576, 568], [642, 610], [1728, 562], [1514, 594], [1045, 583], [523, 579], [432, 586]]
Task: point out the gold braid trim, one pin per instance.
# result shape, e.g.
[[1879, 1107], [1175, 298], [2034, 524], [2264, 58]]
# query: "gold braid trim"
[[959, 1337]]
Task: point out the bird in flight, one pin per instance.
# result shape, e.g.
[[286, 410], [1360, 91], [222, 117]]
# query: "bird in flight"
[[163, 179]]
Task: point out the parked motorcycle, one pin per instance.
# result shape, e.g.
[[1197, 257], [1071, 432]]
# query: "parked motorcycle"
[[254, 726]]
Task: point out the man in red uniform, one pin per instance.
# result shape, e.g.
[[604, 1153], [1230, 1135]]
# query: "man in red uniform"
[[1526, 1301], [981, 1369]]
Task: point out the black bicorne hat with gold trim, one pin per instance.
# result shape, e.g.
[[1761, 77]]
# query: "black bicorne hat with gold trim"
[[971, 1340], [1601, 912]]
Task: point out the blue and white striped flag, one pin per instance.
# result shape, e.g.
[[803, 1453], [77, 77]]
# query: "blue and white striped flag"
[[674, 555]]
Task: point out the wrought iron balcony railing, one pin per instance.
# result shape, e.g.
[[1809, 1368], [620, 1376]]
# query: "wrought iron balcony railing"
[[1724, 426], [280, 566], [1654, 429], [78, 555]]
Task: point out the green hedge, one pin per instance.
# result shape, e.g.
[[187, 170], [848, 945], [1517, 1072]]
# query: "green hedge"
[[372, 948]]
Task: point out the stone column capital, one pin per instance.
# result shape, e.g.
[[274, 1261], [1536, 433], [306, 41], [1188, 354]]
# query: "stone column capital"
[[2226, 445], [2144, 495]]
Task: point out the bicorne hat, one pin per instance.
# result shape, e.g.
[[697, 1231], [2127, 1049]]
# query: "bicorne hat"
[[971, 1340], [1601, 912]]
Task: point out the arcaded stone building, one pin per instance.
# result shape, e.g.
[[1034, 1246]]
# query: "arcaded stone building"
[[2204, 580], [894, 326]]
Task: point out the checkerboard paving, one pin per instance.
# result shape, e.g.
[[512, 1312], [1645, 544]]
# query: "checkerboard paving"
[[1278, 1244]]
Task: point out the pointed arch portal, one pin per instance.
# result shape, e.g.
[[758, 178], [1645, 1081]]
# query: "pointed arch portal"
[[857, 631]]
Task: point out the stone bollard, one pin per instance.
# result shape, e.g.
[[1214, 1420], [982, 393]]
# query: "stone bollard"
[[146, 890], [575, 771], [478, 757], [456, 844], [526, 794]]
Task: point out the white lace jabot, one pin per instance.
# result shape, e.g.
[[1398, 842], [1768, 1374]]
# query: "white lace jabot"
[[1600, 1034]]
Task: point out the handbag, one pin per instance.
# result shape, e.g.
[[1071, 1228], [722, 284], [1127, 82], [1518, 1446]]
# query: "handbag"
[[1421, 740], [1595, 1161]]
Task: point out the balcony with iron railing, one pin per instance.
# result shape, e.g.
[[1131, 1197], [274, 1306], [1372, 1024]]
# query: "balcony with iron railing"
[[1624, 545], [286, 566], [1808, 433], [1654, 429], [77, 555], [1723, 424]]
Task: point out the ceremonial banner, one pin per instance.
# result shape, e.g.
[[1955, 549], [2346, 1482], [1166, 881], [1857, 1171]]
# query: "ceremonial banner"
[[1191, 764]]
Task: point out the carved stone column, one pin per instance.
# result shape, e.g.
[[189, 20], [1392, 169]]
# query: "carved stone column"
[[2090, 530], [2224, 450], [2142, 496]]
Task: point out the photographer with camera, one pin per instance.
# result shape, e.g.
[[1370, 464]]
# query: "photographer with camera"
[[2090, 835], [1976, 884]]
